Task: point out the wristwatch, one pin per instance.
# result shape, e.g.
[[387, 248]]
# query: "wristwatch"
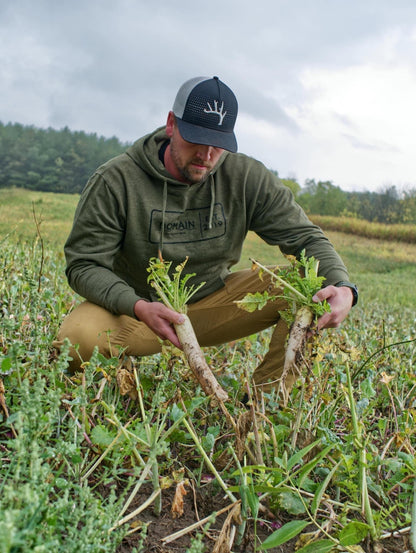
[[353, 288]]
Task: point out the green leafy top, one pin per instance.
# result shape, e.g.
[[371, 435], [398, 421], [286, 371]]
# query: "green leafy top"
[[171, 290], [298, 283]]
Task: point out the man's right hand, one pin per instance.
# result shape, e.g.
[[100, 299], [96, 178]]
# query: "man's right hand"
[[160, 319]]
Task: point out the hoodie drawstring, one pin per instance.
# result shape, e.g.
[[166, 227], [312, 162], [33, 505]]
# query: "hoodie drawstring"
[[162, 230], [211, 208], [164, 204]]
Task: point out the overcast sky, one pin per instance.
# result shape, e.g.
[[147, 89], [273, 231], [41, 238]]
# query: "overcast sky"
[[326, 88]]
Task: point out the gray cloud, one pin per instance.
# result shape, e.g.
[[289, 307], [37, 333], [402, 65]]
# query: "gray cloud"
[[114, 67], [375, 146]]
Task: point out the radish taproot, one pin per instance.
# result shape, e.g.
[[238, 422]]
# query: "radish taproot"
[[297, 283], [175, 294]]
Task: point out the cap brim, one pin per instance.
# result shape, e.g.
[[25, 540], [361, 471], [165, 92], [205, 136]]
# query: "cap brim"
[[208, 137]]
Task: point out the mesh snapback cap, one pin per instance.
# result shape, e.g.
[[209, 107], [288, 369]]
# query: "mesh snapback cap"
[[206, 110]]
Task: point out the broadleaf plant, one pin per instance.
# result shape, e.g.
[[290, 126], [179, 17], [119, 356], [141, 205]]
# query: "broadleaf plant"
[[297, 284]]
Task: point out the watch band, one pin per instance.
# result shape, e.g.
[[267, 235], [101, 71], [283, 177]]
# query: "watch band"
[[353, 288]]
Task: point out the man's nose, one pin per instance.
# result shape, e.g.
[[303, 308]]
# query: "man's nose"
[[204, 152]]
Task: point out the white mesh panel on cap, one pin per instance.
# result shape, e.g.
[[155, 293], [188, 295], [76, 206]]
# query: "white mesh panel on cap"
[[183, 94]]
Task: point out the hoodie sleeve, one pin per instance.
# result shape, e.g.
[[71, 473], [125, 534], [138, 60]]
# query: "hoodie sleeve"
[[92, 246], [279, 220]]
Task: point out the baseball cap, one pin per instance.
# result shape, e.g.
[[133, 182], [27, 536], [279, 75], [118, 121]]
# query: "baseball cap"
[[206, 111]]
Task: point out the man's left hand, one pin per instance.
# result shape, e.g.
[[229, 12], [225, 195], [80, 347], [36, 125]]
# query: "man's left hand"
[[340, 299]]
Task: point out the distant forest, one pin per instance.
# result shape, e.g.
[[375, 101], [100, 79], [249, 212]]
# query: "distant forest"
[[51, 160]]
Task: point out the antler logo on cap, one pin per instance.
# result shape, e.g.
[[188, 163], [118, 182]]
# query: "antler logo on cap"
[[221, 113]]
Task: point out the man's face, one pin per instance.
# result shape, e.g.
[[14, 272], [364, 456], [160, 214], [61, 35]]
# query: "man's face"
[[188, 162]]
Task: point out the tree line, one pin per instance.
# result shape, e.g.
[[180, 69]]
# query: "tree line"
[[388, 205], [52, 160]]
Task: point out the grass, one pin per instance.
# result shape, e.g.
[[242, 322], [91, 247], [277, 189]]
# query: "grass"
[[350, 225], [19, 207], [75, 453]]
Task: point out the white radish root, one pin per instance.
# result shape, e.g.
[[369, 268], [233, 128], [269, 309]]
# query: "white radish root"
[[296, 346], [197, 362]]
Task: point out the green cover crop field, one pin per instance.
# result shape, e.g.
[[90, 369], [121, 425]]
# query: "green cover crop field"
[[85, 468]]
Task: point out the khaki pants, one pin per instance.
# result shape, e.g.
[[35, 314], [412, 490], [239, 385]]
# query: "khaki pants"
[[216, 320]]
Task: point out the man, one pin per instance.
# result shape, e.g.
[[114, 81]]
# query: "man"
[[184, 191]]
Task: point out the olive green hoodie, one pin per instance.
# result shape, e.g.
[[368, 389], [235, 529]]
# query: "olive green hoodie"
[[132, 206]]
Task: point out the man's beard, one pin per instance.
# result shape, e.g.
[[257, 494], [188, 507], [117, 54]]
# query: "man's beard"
[[189, 176]]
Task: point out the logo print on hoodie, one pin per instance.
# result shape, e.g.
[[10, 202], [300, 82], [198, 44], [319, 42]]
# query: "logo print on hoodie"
[[191, 225]]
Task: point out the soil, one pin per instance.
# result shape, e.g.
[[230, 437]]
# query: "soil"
[[200, 504]]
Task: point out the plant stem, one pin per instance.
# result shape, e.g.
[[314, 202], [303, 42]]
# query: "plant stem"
[[196, 525], [152, 438], [155, 494], [244, 502], [362, 459], [208, 461], [279, 279]]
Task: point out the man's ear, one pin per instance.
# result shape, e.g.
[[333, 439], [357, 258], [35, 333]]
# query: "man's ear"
[[170, 124]]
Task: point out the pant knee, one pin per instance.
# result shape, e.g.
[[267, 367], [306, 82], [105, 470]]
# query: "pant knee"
[[87, 327]]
